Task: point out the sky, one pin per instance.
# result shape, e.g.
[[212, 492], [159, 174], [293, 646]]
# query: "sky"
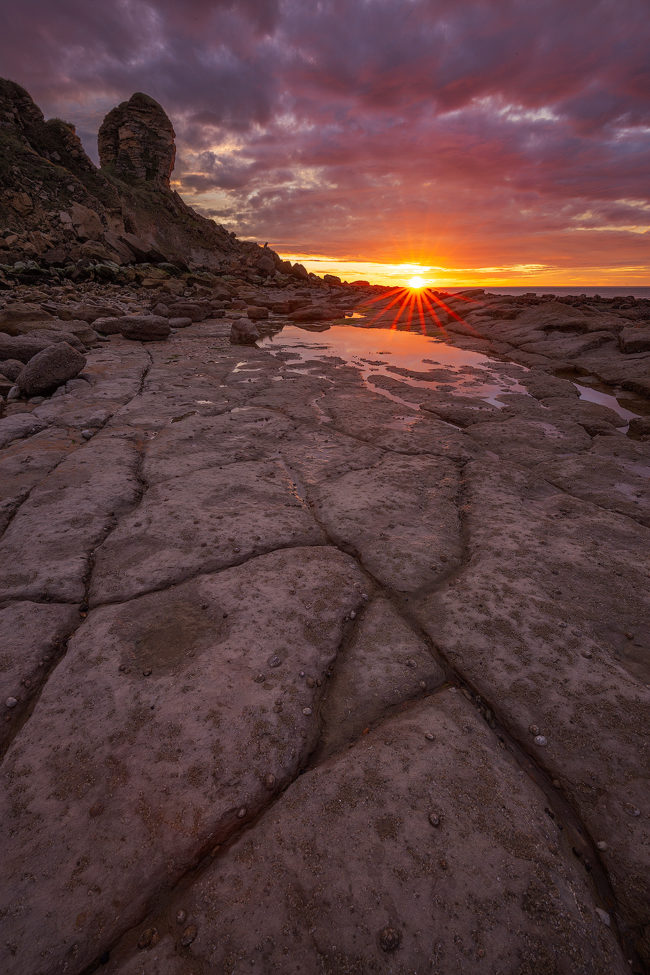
[[468, 141]]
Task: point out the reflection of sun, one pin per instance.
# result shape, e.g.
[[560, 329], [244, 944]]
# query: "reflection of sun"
[[416, 282]]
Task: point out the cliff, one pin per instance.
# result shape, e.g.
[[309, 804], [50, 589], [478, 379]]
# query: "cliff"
[[58, 208]]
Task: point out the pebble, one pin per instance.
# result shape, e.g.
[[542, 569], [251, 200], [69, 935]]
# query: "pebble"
[[269, 781], [540, 740], [310, 682], [188, 936], [429, 736], [148, 938], [241, 812], [353, 615], [11, 702], [534, 730], [274, 661], [181, 916], [306, 712], [389, 939], [435, 819], [443, 865], [87, 434], [602, 846], [146, 672], [631, 809], [260, 678]]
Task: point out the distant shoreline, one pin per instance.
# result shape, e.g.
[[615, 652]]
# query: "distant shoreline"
[[611, 291]]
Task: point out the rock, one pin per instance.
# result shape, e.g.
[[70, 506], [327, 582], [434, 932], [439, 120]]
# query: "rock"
[[243, 332], [49, 369], [144, 328], [197, 311], [86, 222], [266, 264], [19, 312], [257, 312], [315, 313], [110, 325], [639, 425], [331, 279], [136, 141], [22, 347], [635, 338], [180, 322], [11, 368]]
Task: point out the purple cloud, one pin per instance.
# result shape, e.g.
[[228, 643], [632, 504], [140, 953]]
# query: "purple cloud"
[[475, 132]]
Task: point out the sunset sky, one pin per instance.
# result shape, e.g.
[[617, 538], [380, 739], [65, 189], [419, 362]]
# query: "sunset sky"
[[475, 141]]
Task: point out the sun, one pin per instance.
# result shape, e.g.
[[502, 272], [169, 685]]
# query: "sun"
[[416, 282]]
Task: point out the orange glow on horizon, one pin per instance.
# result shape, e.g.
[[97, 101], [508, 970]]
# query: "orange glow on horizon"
[[412, 300], [416, 282], [449, 278]]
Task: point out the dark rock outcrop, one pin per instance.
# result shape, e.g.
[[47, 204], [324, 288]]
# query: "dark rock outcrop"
[[136, 141], [57, 208]]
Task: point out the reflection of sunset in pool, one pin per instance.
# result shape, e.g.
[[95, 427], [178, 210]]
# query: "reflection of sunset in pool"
[[433, 364]]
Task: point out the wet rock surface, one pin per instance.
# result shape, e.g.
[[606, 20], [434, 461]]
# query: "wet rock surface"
[[302, 671]]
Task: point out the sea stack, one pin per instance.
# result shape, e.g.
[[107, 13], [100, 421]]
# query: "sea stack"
[[136, 141]]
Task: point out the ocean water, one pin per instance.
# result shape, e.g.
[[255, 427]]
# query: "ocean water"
[[604, 292]]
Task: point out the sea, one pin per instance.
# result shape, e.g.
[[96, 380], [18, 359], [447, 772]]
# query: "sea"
[[603, 292]]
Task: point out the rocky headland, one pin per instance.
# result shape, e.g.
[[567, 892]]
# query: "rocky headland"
[[306, 669]]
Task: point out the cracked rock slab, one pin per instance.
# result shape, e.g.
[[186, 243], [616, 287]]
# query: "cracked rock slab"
[[384, 665], [403, 855], [31, 634], [45, 550], [201, 522], [549, 620], [196, 699], [400, 515]]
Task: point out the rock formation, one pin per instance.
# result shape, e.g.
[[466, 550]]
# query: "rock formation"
[[136, 141], [57, 210]]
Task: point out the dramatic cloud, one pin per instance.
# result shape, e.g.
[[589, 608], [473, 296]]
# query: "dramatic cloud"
[[486, 133]]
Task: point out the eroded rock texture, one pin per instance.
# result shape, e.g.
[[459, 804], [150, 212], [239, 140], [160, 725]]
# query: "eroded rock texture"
[[305, 674], [136, 141]]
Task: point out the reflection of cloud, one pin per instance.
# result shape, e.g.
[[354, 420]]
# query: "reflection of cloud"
[[473, 134]]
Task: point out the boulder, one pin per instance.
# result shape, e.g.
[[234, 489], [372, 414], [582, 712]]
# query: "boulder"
[[197, 311], [243, 332], [108, 326], [257, 312], [314, 313], [22, 347], [86, 222], [11, 368], [331, 279], [635, 338], [144, 328], [50, 368], [179, 322]]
